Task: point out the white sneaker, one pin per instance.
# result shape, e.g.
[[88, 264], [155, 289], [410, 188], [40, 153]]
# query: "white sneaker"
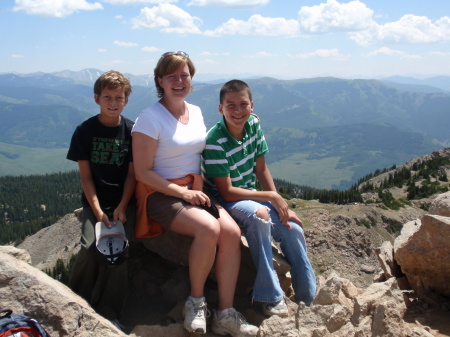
[[195, 314], [234, 324], [278, 308]]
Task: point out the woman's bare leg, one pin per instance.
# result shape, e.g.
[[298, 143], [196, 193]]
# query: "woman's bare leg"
[[205, 230], [228, 259]]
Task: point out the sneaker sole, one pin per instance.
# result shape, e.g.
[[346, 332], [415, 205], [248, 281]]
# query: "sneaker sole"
[[281, 314], [224, 331], [199, 331]]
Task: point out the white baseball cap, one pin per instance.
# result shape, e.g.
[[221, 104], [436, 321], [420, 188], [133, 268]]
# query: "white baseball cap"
[[112, 243]]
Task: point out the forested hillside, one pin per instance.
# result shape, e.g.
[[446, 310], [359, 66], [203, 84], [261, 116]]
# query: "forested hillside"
[[29, 203]]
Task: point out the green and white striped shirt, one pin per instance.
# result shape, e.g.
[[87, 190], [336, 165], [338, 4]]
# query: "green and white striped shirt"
[[224, 156]]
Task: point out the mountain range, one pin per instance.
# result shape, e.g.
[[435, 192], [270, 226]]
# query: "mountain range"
[[322, 132]]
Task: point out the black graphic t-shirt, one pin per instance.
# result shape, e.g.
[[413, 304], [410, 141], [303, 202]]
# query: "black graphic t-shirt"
[[108, 150]]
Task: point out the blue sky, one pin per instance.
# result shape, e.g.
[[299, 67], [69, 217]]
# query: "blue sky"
[[285, 39]]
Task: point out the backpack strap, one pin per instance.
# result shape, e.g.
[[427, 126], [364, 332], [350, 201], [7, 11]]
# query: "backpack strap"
[[5, 312]]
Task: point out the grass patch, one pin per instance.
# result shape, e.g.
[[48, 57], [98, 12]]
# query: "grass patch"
[[20, 160], [320, 173]]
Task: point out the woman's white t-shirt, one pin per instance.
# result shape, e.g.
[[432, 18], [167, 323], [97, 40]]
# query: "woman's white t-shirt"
[[179, 146]]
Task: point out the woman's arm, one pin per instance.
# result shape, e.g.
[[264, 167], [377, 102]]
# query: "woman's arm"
[[144, 150]]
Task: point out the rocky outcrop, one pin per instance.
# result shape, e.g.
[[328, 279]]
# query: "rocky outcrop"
[[420, 257], [341, 309], [423, 253], [59, 241], [441, 205], [159, 287], [26, 290]]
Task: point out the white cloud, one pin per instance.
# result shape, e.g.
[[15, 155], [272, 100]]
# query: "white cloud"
[[261, 54], [51, 8], [168, 18], [229, 3], [207, 53], [17, 56], [102, 50], [133, 2], [391, 52], [439, 53], [358, 21], [118, 62], [332, 16], [409, 29], [325, 53], [256, 25], [125, 44], [150, 49]]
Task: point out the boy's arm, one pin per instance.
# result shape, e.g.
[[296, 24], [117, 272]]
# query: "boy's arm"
[[265, 179], [120, 213], [230, 193], [267, 183], [87, 183]]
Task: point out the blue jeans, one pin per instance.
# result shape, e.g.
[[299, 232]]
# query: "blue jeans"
[[258, 233]]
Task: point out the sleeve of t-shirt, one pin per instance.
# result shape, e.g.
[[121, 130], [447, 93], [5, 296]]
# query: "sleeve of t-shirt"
[[215, 160], [262, 148], [147, 125]]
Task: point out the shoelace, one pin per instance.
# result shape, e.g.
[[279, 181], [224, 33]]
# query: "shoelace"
[[201, 310], [239, 317]]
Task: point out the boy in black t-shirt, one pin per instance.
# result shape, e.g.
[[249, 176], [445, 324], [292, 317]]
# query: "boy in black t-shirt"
[[102, 147]]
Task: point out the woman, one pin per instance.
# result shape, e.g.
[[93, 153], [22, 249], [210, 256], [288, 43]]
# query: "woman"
[[168, 139]]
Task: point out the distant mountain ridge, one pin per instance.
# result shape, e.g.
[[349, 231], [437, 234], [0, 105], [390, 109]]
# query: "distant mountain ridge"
[[441, 82], [89, 75], [322, 132]]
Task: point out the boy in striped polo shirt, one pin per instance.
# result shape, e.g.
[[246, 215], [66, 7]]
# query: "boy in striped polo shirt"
[[233, 160]]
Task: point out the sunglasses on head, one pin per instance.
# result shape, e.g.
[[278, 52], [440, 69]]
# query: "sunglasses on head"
[[170, 53]]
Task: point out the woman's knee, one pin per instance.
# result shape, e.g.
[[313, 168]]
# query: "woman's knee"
[[230, 234], [208, 228]]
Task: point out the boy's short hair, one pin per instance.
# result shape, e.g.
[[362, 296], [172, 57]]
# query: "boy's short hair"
[[112, 80], [234, 86], [169, 63]]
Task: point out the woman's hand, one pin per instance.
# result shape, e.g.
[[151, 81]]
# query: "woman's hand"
[[196, 198]]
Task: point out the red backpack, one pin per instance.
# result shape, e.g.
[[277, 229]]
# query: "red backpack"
[[15, 325]]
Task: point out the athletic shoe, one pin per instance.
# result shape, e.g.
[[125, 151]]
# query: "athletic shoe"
[[233, 324], [278, 308], [195, 313]]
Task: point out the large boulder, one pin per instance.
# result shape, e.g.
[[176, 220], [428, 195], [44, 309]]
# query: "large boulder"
[[423, 253], [26, 290], [441, 205]]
